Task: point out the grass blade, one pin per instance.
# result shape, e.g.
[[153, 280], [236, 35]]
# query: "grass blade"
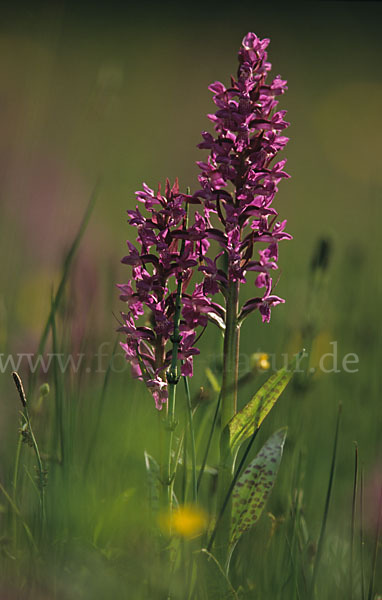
[[101, 407], [215, 579], [375, 551], [65, 274], [362, 542], [327, 504], [27, 431], [211, 435], [353, 514], [17, 512], [192, 435], [59, 429]]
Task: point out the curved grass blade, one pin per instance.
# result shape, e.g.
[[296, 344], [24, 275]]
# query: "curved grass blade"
[[215, 581], [17, 512], [254, 486], [65, 274], [375, 551], [251, 416]]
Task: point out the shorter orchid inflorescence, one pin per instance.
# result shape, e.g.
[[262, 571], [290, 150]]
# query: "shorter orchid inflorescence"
[[166, 257], [238, 184]]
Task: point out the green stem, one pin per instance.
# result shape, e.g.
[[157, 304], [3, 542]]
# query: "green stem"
[[14, 489], [211, 434], [228, 410], [192, 435], [41, 474], [93, 441], [17, 512], [231, 356], [28, 426], [326, 510], [375, 551], [170, 426], [173, 378], [353, 517], [59, 431], [362, 541]]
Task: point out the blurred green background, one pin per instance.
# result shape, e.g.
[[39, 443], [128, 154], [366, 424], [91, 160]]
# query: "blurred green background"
[[117, 94]]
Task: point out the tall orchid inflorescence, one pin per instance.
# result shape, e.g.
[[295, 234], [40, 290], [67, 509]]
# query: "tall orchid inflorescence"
[[238, 185], [238, 180]]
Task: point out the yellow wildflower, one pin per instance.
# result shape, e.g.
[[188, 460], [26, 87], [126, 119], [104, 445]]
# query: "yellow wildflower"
[[187, 521], [260, 361]]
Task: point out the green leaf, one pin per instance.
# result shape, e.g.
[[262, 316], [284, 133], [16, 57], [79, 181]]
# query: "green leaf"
[[250, 417], [254, 486], [153, 481], [212, 380]]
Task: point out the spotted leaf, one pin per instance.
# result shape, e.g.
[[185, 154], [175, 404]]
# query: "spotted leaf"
[[254, 486]]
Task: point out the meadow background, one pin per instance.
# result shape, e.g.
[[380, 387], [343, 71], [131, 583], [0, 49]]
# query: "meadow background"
[[110, 96]]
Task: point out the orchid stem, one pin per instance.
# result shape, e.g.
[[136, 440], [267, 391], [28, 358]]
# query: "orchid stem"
[[172, 379], [228, 410]]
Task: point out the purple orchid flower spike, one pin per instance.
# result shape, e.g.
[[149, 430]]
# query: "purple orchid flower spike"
[[183, 258], [239, 180], [168, 253]]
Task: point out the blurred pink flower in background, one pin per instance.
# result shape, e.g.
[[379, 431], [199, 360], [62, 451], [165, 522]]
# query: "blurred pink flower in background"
[[46, 199]]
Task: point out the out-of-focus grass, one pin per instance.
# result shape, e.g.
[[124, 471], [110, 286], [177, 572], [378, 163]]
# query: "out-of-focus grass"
[[124, 96]]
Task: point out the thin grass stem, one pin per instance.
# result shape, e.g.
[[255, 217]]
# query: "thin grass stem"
[[100, 409], [211, 434], [362, 541], [353, 516], [17, 512], [327, 505], [192, 436], [32, 440], [375, 550], [14, 488], [59, 408]]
